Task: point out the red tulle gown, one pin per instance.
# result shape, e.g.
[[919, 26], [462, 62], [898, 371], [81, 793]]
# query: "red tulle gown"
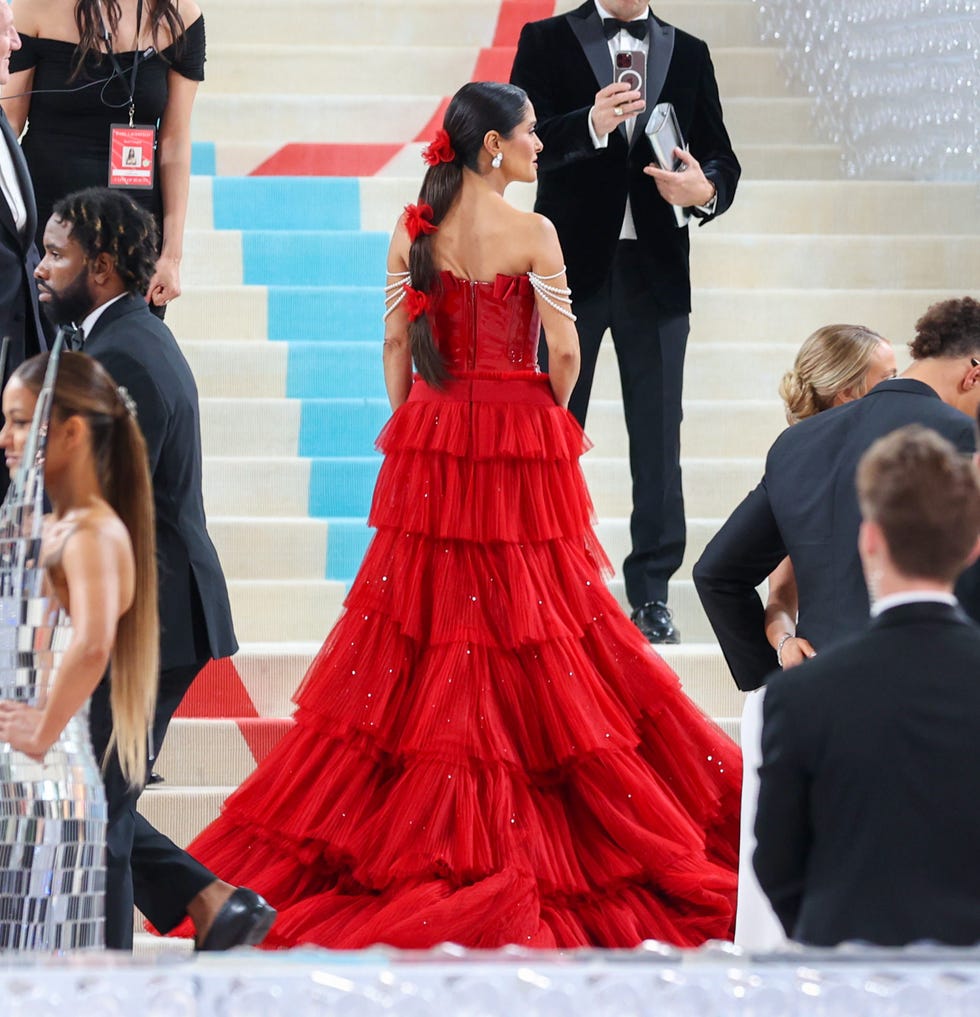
[[486, 750]]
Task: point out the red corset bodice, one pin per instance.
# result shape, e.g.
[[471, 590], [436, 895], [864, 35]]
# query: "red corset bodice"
[[486, 326]]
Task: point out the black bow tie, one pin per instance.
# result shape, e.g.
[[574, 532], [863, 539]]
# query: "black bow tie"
[[613, 26], [74, 338]]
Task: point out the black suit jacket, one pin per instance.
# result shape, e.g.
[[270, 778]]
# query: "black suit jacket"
[[140, 352], [806, 507], [19, 317], [562, 62], [868, 824]]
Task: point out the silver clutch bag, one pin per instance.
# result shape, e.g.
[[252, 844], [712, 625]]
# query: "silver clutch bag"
[[665, 135]]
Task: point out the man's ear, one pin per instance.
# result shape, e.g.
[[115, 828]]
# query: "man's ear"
[[974, 554], [102, 268], [870, 538]]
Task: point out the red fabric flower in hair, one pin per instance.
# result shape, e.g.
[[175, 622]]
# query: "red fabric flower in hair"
[[418, 220], [439, 150], [416, 302]]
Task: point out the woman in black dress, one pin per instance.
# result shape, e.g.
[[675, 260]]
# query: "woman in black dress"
[[81, 89]]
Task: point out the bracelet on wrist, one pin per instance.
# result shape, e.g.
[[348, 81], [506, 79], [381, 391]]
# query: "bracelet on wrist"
[[779, 646]]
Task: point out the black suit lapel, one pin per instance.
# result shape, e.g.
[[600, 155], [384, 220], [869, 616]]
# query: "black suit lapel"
[[660, 48], [128, 304], [587, 26], [6, 216]]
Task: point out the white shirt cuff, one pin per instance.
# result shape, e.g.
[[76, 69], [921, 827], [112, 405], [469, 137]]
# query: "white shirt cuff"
[[710, 206], [602, 142]]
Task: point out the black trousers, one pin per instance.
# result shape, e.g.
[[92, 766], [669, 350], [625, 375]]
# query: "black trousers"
[[143, 866], [650, 346]]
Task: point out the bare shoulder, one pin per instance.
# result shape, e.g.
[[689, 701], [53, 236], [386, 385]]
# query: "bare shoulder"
[[399, 247], [42, 17], [189, 11], [97, 533], [542, 240]]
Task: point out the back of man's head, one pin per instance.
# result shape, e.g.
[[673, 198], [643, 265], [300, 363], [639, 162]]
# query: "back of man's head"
[[924, 496], [106, 221], [950, 328]]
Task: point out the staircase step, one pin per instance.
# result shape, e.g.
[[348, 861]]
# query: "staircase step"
[[290, 610], [818, 262], [710, 429], [238, 368], [354, 69], [377, 119], [279, 548], [712, 487], [181, 813], [256, 487], [442, 22]]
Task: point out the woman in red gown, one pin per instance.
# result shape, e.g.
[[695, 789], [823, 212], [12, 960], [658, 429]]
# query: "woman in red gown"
[[486, 750]]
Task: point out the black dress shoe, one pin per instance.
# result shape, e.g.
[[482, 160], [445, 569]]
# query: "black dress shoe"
[[244, 920], [656, 622], [154, 778]]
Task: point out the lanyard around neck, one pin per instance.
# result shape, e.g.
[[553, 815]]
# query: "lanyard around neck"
[[117, 69]]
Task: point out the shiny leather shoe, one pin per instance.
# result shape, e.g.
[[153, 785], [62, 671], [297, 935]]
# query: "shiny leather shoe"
[[244, 920], [656, 622]]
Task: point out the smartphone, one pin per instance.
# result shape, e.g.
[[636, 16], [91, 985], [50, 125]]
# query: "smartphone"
[[631, 69]]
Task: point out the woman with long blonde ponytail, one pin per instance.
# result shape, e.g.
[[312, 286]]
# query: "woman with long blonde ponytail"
[[96, 604]]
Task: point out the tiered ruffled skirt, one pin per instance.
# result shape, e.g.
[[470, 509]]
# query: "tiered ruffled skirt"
[[486, 751]]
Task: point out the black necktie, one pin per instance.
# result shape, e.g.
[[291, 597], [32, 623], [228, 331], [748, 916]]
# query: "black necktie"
[[613, 26]]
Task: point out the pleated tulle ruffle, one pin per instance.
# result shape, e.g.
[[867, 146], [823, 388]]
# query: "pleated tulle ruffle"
[[486, 750]]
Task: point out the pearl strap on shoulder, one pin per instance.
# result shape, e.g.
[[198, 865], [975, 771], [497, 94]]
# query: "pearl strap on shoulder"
[[558, 297], [395, 291]]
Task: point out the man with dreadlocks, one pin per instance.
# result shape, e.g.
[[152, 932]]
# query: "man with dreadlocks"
[[99, 255]]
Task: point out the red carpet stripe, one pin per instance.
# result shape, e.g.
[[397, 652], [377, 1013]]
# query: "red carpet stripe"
[[338, 160], [262, 734], [217, 691]]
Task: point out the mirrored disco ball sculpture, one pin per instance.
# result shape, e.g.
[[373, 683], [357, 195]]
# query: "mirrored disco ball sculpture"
[[52, 812], [896, 82]]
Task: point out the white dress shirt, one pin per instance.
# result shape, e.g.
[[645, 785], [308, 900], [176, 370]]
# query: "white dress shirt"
[[619, 43], [10, 187], [912, 597]]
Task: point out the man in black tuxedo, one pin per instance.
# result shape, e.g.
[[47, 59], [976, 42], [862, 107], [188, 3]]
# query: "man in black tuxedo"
[[100, 249], [806, 505], [868, 823], [627, 258], [19, 319]]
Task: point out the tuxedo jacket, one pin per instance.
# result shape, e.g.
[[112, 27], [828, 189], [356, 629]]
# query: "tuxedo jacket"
[[19, 317], [140, 353], [806, 506], [868, 825], [561, 62]]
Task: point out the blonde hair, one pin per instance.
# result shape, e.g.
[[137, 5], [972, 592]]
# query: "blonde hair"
[[831, 360], [84, 388]]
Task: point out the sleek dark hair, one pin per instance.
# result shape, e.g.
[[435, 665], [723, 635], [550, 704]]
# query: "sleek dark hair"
[[478, 107], [90, 30], [950, 328], [105, 221], [925, 496]]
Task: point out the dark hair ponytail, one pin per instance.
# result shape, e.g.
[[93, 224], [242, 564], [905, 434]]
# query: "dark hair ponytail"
[[478, 107]]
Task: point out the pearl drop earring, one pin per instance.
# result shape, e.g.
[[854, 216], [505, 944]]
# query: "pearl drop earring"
[[497, 160]]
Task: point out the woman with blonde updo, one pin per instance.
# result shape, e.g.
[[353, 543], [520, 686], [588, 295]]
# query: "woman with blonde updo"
[[835, 364]]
